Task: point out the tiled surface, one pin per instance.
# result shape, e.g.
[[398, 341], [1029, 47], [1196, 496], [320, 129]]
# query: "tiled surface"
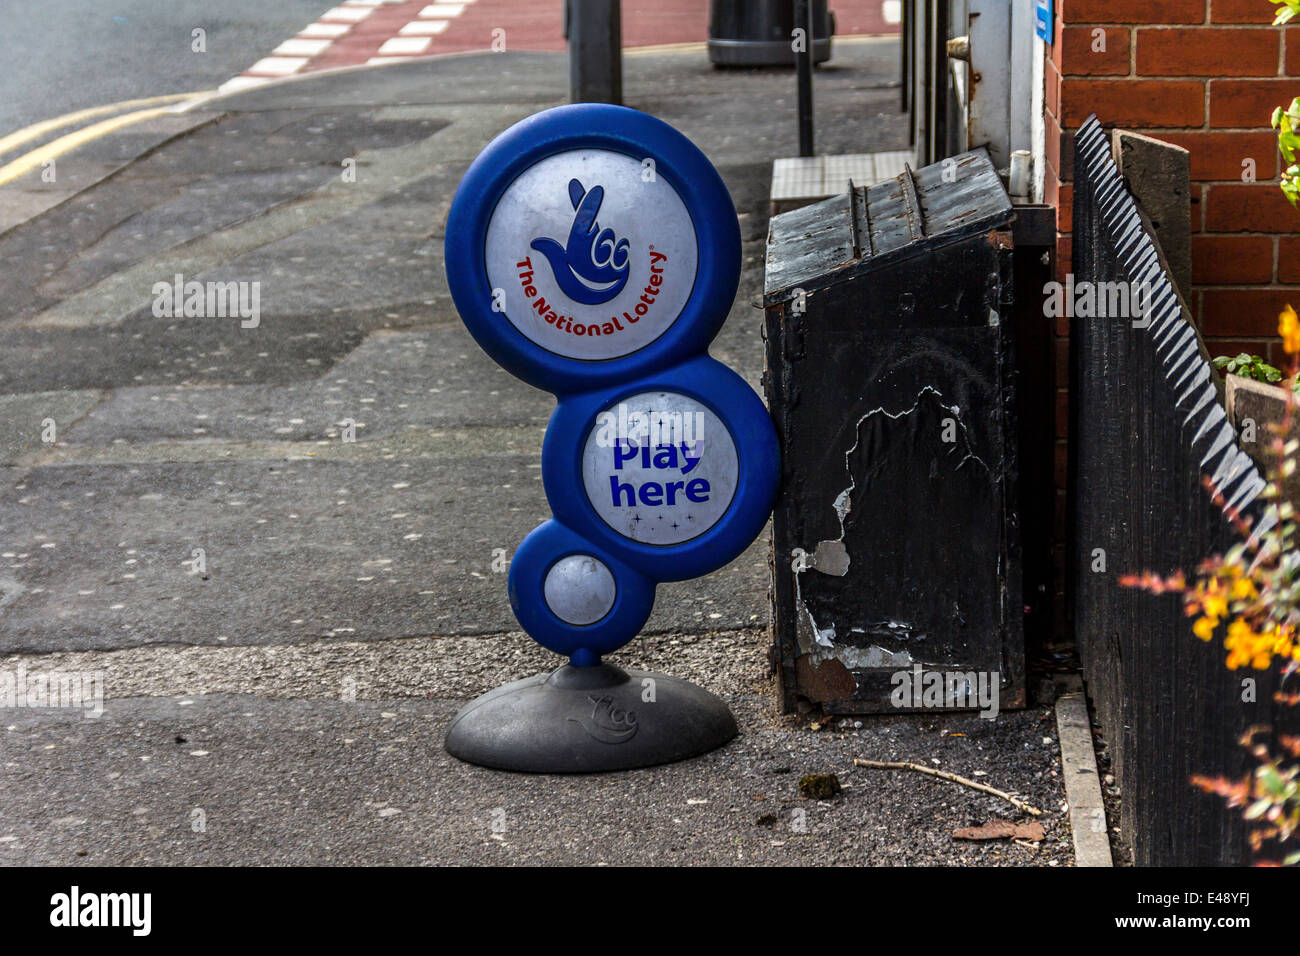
[[816, 177]]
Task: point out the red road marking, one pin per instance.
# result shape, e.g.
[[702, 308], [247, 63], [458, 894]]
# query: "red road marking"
[[538, 25]]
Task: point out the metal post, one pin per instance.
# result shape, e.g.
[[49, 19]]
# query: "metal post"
[[595, 32], [803, 62], [905, 32]]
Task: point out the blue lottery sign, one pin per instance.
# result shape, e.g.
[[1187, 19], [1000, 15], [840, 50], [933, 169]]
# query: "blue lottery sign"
[[571, 284], [646, 473], [593, 251]]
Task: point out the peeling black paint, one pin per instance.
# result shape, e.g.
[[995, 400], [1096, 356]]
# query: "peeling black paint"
[[894, 401]]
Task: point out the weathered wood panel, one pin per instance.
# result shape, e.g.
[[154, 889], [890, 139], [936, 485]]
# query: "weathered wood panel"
[[1145, 424], [889, 376]]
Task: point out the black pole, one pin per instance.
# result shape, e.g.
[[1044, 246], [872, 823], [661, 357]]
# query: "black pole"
[[803, 18], [595, 32], [905, 32], [942, 82]]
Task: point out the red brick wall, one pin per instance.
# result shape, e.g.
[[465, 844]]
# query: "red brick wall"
[[1205, 74]]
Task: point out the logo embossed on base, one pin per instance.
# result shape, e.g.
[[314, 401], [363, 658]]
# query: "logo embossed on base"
[[606, 722]]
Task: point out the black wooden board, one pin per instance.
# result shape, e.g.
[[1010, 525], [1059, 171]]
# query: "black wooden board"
[[889, 357], [1145, 426]]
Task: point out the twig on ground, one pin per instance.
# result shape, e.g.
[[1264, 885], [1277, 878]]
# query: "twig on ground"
[[973, 784]]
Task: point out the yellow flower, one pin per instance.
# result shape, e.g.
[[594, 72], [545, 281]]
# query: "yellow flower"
[[1242, 588], [1247, 646], [1288, 326], [1238, 631], [1215, 605], [1204, 627]]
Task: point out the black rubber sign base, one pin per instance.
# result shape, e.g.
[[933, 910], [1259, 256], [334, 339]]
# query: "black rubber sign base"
[[588, 720]]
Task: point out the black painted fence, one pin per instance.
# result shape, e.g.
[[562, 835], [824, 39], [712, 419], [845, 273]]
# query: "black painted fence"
[[1146, 423]]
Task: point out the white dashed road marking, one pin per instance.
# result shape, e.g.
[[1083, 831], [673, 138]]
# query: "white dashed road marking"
[[408, 45], [412, 35], [423, 28]]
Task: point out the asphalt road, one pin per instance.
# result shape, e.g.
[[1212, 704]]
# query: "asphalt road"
[[295, 692], [65, 55]]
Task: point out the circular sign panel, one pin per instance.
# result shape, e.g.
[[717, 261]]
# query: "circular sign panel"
[[591, 254], [579, 589], [660, 468], [590, 244]]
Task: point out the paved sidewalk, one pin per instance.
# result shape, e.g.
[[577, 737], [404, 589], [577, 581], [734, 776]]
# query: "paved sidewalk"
[[285, 700]]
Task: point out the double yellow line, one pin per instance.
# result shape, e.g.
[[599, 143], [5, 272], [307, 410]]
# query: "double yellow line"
[[144, 109]]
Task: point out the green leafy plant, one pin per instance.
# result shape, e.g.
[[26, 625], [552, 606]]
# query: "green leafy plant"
[[1248, 366], [1287, 121], [1289, 9], [1271, 795]]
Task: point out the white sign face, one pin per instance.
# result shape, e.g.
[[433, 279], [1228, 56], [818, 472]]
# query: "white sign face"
[[659, 468], [579, 589], [591, 254]]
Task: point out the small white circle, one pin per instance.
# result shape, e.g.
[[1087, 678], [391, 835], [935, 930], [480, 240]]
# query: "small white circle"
[[660, 468], [579, 589], [591, 223]]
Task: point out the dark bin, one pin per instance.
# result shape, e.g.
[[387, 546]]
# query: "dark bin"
[[895, 543], [760, 32]]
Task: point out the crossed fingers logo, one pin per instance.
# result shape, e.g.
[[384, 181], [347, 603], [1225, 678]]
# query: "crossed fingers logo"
[[592, 266]]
